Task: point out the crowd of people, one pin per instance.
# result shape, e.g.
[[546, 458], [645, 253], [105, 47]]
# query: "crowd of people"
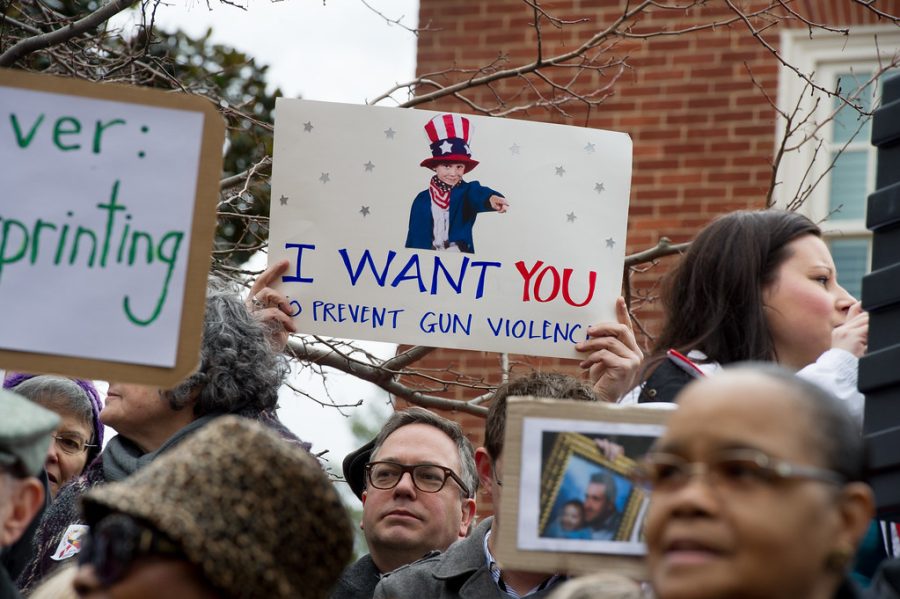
[[757, 486]]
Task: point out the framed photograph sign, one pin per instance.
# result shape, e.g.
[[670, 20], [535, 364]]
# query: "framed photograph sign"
[[569, 482]]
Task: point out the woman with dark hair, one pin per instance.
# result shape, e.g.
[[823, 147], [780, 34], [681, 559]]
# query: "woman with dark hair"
[[240, 373], [757, 285]]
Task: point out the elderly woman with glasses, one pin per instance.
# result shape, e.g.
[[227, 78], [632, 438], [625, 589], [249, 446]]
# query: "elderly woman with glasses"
[[240, 372], [757, 491], [78, 438]]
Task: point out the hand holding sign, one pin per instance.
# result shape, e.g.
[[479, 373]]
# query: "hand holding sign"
[[446, 269], [614, 357], [272, 307]]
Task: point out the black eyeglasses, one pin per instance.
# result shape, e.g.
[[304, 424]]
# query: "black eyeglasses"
[[116, 541], [428, 478], [736, 469]]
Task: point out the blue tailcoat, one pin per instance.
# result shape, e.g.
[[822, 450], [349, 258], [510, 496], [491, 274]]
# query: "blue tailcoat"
[[466, 200]]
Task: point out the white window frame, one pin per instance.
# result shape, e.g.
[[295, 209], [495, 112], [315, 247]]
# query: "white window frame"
[[821, 57]]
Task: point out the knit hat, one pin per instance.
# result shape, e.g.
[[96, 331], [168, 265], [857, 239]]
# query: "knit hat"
[[14, 378], [449, 137], [257, 515]]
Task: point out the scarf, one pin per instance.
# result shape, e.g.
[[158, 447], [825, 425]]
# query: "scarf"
[[440, 192], [122, 457]]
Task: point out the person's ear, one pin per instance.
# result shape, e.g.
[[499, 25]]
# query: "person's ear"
[[25, 500], [857, 508], [468, 512], [485, 469]]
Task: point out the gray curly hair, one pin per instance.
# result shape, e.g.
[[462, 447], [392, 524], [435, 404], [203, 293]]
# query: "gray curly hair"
[[239, 372]]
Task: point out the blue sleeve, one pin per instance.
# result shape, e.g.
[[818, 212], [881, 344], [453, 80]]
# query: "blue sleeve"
[[478, 197]]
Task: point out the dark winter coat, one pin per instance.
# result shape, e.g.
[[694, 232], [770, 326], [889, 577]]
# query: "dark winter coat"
[[358, 581]]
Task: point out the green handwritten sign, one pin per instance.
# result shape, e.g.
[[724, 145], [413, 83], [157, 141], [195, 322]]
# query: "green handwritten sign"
[[105, 227]]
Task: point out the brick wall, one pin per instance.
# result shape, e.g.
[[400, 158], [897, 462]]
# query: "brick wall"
[[703, 130]]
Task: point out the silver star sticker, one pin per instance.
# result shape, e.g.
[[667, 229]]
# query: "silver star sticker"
[[514, 149], [610, 242], [389, 133], [599, 188], [325, 178], [560, 171], [364, 211], [369, 166], [590, 149], [570, 217], [308, 126], [283, 199], [446, 147]]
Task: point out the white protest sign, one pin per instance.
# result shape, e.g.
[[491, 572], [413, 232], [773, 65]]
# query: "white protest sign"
[[531, 255], [105, 227]]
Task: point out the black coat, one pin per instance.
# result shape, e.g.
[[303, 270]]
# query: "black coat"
[[358, 581], [886, 583], [7, 589]]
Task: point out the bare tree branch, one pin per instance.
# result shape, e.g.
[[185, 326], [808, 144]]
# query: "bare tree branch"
[[79, 27], [663, 248]]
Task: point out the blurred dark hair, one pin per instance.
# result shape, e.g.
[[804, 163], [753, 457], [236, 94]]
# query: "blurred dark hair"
[[539, 384], [713, 297]]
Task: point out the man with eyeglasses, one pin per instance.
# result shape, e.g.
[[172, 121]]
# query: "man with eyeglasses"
[[467, 570], [25, 430], [417, 482]]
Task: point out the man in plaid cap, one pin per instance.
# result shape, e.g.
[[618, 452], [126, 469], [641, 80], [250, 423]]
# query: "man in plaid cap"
[[25, 430]]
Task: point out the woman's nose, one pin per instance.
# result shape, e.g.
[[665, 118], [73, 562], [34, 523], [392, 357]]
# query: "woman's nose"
[[844, 300]]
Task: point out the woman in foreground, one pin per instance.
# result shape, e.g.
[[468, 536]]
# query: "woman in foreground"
[[757, 491]]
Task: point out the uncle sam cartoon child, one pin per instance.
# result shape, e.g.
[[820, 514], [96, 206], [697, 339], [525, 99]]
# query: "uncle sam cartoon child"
[[442, 216]]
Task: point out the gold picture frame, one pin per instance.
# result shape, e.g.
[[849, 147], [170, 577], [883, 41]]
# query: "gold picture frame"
[[550, 456], [570, 445]]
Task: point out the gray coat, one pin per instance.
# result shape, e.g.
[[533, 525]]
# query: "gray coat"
[[358, 580], [461, 572]]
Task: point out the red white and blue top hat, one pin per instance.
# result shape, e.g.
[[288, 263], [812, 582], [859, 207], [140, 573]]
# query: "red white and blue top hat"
[[449, 137]]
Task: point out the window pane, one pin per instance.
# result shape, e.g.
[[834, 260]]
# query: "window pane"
[[851, 258], [848, 119], [847, 192]]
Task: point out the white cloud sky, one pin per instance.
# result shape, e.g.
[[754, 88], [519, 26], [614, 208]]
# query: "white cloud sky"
[[338, 51]]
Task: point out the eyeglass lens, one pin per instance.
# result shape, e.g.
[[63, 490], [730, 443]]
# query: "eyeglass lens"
[[387, 475], [70, 444], [733, 470]]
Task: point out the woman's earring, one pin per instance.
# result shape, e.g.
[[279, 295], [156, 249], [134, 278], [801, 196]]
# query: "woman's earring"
[[838, 559]]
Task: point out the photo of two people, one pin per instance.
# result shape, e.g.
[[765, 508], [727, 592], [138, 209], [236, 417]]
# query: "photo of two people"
[[587, 490]]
